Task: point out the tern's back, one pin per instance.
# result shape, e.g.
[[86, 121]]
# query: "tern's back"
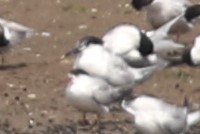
[[99, 62]]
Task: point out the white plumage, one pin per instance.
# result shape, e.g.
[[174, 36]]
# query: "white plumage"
[[155, 116]]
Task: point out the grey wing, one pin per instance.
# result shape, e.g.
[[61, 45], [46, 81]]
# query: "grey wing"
[[120, 71], [14, 25], [102, 96], [162, 31], [108, 94], [118, 63], [167, 45], [16, 32], [16, 35]]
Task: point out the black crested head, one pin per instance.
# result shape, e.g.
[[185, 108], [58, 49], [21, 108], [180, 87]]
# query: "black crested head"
[[84, 43], [192, 12], [139, 4], [78, 71], [3, 41], [146, 46], [88, 40]]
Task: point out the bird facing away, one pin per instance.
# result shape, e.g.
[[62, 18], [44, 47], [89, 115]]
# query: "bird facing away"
[[155, 116], [128, 42]]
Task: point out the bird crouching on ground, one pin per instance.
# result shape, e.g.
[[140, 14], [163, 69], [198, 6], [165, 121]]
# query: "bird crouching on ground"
[[153, 115]]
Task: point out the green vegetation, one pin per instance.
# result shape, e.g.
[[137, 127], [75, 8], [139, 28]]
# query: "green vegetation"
[[76, 8]]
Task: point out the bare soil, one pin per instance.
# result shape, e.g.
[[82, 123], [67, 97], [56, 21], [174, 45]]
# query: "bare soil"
[[32, 99]]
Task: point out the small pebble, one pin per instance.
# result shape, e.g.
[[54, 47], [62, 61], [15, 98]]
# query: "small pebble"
[[17, 98], [24, 89], [50, 120], [94, 10], [44, 113], [83, 26], [31, 96], [10, 85], [27, 106], [38, 55], [68, 33], [31, 123], [65, 61], [155, 84], [45, 34], [30, 113], [127, 5], [191, 82], [5, 94], [27, 49], [177, 85]]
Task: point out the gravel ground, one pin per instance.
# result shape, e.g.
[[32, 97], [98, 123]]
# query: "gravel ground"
[[32, 99]]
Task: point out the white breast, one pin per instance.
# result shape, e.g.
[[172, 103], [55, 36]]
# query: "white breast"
[[79, 93]]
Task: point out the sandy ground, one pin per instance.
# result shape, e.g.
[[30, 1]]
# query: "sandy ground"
[[32, 99]]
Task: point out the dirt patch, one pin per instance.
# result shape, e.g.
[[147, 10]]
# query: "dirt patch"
[[32, 99]]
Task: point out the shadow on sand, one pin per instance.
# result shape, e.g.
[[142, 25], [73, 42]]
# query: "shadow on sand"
[[12, 66]]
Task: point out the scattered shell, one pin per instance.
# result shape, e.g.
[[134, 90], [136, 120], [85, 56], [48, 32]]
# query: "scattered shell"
[[45, 34], [191, 81], [44, 113], [27, 49], [31, 122], [68, 33], [155, 84], [127, 5], [27, 106], [83, 26], [65, 61], [94, 10], [10, 85], [58, 1], [62, 57], [31, 96], [119, 5], [38, 55], [30, 113]]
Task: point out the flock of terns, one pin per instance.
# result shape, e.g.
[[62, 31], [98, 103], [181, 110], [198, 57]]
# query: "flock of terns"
[[107, 68]]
